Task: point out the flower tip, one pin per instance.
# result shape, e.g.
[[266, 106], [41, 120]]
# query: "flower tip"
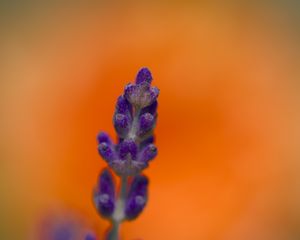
[[106, 176], [123, 106], [103, 137], [144, 75], [148, 153], [121, 123], [146, 123], [140, 181], [106, 184], [106, 151], [154, 92]]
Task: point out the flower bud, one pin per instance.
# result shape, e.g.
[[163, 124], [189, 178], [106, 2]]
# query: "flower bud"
[[148, 153], [154, 92], [131, 93], [121, 124], [104, 195], [106, 151], [144, 75], [137, 197], [123, 106], [104, 137], [146, 123], [141, 95], [127, 148]]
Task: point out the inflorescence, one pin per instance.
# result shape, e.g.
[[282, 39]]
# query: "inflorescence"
[[134, 121]]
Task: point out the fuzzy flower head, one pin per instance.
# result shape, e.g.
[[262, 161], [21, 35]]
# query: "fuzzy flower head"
[[134, 121]]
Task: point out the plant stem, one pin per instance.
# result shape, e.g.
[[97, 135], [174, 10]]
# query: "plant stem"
[[113, 233], [118, 215], [123, 188]]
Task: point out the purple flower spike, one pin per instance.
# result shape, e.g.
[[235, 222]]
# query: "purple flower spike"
[[148, 153], [144, 75], [134, 120], [106, 151], [137, 197], [104, 195]]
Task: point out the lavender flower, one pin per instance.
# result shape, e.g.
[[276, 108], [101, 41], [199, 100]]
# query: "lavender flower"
[[134, 121]]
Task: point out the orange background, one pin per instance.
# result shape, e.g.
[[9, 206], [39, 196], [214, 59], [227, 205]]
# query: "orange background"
[[228, 127]]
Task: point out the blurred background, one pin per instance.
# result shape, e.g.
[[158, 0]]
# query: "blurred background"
[[228, 129]]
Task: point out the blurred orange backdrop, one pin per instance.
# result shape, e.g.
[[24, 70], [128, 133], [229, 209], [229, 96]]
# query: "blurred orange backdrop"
[[228, 127]]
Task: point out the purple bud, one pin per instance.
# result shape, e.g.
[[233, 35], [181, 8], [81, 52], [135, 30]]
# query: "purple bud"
[[148, 153], [137, 197], [127, 148], [146, 123], [141, 95], [121, 123], [104, 137], [104, 195], [154, 92], [123, 106], [131, 93], [106, 151], [106, 183], [144, 75]]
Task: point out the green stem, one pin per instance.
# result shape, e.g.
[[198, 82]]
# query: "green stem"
[[118, 215], [113, 233], [123, 188]]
